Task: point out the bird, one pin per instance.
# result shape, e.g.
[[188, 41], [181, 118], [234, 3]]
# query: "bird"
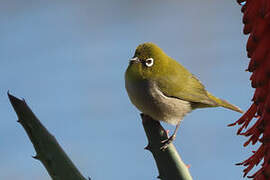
[[160, 87]]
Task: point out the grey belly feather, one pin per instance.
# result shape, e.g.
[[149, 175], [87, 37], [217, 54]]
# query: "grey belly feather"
[[151, 101]]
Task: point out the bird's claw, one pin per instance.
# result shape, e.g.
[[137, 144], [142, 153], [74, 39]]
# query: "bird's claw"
[[167, 142]]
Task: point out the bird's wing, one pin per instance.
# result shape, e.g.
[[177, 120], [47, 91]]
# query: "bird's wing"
[[181, 84]]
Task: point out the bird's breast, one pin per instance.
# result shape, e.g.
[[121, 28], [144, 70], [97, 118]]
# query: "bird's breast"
[[147, 97]]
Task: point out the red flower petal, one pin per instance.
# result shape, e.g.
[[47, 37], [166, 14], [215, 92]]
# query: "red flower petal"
[[256, 21]]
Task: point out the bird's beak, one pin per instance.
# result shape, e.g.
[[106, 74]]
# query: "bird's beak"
[[134, 60]]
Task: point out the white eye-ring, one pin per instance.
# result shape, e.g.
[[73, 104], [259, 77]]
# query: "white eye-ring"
[[149, 62]]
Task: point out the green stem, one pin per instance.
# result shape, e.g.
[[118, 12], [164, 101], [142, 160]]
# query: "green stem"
[[49, 152], [169, 163]]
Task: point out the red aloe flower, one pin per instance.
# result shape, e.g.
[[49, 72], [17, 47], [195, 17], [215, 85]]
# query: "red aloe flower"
[[256, 21]]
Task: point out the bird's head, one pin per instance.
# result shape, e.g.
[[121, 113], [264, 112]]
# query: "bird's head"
[[148, 61]]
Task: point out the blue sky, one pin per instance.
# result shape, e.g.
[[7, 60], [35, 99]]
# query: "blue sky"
[[68, 58]]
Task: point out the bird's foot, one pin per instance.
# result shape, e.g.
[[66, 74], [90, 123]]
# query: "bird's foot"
[[167, 142]]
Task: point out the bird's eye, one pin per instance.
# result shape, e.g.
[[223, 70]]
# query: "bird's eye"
[[149, 62]]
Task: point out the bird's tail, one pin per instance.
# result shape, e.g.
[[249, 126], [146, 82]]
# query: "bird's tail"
[[224, 103]]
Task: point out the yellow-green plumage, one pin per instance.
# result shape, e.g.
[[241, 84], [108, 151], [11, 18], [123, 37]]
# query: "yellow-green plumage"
[[166, 90]]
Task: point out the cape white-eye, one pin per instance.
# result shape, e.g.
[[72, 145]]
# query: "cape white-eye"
[[163, 89]]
